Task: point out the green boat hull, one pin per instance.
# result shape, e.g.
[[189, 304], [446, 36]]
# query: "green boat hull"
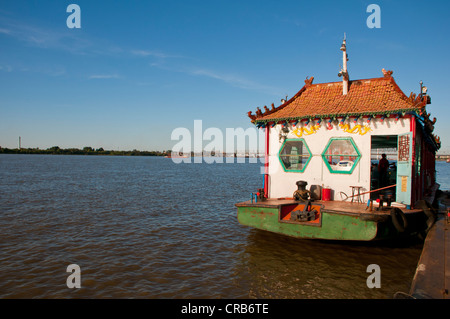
[[331, 225]]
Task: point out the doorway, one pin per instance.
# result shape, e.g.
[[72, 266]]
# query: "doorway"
[[388, 145]]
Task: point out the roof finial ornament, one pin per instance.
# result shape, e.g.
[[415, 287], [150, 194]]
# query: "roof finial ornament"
[[387, 74], [309, 81], [344, 72]]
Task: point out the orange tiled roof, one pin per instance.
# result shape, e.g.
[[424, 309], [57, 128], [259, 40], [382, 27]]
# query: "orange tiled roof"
[[365, 97]]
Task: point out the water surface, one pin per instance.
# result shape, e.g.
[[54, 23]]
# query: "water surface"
[[145, 227]]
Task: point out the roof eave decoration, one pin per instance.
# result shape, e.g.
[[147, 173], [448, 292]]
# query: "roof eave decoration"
[[428, 128], [418, 101], [259, 113], [335, 116], [415, 105]]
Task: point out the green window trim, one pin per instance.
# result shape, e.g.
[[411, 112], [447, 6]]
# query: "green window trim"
[[345, 163], [305, 159]]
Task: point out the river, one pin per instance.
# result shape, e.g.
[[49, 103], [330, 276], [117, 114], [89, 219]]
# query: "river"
[[145, 227]]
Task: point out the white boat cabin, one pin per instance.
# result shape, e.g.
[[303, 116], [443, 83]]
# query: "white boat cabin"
[[333, 135]]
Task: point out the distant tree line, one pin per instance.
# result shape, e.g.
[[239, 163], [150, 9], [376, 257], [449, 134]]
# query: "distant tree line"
[[56, 150]]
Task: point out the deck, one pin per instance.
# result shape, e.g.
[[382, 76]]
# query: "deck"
[[432, 278], [330, 206]]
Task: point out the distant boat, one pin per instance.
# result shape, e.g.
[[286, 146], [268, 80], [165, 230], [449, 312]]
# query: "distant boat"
[[448, 160], [176, 156]]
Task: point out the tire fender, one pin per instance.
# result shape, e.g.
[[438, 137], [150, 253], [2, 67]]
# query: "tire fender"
[[399, 219]]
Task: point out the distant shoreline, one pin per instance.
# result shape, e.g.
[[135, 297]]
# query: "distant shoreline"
[[101, 152], [85, 151]]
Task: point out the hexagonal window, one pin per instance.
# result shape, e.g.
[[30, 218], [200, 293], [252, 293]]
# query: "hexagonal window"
[[341, 155], [294, 155]]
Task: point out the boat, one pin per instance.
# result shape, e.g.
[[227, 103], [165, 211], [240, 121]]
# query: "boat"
[[322, 149], [176, 156]]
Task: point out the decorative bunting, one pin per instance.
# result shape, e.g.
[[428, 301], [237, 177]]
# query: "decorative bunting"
[[329, 125]]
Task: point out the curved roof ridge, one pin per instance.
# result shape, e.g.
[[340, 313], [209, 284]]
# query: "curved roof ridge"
[[370, 96]]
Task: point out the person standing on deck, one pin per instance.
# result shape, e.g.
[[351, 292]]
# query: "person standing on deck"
[[383, 166]]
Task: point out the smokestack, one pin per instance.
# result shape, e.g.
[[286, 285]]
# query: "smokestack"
[[344, 72]]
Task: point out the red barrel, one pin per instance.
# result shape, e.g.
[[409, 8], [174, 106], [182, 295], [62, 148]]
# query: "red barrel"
[[326, 194]]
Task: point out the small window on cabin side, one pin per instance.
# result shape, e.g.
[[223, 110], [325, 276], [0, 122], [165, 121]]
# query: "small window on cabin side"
[[294, 155], [341, 155]]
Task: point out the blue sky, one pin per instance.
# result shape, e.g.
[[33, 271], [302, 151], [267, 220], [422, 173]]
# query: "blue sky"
[[136, 70]]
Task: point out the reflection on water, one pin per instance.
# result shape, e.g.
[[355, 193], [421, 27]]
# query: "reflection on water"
[[283, 267], [144, 227]]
